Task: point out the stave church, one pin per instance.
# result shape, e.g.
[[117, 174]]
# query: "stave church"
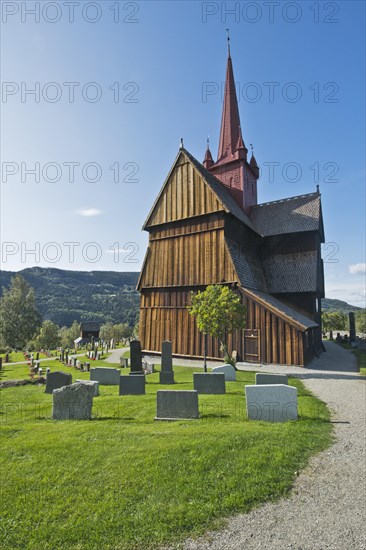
[[207, 227]]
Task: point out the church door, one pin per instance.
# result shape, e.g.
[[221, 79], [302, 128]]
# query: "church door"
[[251, 345]]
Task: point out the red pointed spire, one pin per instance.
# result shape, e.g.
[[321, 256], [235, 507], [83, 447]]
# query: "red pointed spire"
[[230, 122], [208, 160]]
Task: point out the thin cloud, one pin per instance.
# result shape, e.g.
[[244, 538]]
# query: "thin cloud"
[[356, 269], [88, 212]]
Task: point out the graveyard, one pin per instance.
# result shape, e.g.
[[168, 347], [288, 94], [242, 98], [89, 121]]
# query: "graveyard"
[[124, 479]]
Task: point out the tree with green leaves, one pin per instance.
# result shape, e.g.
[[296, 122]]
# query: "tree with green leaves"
[[19, 317], [333, 320], [360, 317], [219, 312], [49, 336]]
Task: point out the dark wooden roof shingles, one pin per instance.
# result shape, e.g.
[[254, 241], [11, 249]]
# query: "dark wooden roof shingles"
[[292, 215]]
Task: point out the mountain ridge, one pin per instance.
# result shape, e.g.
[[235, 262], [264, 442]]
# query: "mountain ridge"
[[105, 296]]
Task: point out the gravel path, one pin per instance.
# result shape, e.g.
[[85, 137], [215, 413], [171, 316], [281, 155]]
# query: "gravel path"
[[326, 508]]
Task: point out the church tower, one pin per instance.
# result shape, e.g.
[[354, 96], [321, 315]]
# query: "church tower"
[[232, 167]]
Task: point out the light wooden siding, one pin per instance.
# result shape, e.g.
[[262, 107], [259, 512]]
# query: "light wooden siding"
[[188, 260], [164, 316], [185, 195]]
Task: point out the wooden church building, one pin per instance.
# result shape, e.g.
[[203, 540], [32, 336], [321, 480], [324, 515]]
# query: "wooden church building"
[[206, 227]]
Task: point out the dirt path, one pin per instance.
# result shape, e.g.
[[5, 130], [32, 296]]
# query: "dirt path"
[[327, 506]]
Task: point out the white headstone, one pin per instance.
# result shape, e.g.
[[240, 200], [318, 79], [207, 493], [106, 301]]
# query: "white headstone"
[[271, 402], [228, 370]]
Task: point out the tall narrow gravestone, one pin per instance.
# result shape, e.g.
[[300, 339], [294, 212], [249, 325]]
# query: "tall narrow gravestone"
[[352, 327], [166, 373], [136, 356]]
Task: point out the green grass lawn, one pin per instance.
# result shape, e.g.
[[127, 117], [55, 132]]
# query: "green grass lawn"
[[125, 481]]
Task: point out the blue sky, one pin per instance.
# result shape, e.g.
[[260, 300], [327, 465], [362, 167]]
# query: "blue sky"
[[300, 74]]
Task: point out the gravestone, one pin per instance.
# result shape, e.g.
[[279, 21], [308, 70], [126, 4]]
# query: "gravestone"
[[228, 370], [37, 355], [87, 366], [123, 362], [135, 356], [134, 384], [48, 370], [166, 375], [205, 382], [56, 380], [73, 402], [176, 404], [40, 371], [93, 383], [74, 361], [265, 378], [352, 327], [67, 358], [62, 356], [99, 355], [6, 358], [150, 368], [271, 402], [78, 364], [1, 363], [106, 376]]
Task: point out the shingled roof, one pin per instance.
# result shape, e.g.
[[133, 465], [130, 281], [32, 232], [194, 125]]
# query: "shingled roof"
[[292, 215], [248, 267], [300, 320], [296, 272]]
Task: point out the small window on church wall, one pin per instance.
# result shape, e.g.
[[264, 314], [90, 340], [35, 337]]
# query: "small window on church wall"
[[252, 188]]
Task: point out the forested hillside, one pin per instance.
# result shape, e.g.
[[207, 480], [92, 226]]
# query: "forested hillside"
[[64, 296], [106, 296]]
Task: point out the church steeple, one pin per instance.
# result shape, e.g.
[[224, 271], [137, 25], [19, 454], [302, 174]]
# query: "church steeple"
[[232, 167], [230, 121]]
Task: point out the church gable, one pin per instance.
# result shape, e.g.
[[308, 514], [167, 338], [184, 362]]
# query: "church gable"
[[185, 194]]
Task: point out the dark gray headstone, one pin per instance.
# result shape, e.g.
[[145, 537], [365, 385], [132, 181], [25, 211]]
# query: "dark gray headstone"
[[57, 379], [1, 363], [205, 382], [265, 378], [37, 355], [135, 356], [6, 358], [166, 377], [352, 327], [132, 385], [179, 404], [166, 356], [105, 376], [73, 402]]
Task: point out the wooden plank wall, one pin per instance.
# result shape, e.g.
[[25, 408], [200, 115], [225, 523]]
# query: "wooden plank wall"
[[188, 255], [185, 195], [164, 316]]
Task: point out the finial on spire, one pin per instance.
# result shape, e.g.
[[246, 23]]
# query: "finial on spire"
[[208, 160], [228, 40], [181, 143], [317, 189], [251, 146]]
